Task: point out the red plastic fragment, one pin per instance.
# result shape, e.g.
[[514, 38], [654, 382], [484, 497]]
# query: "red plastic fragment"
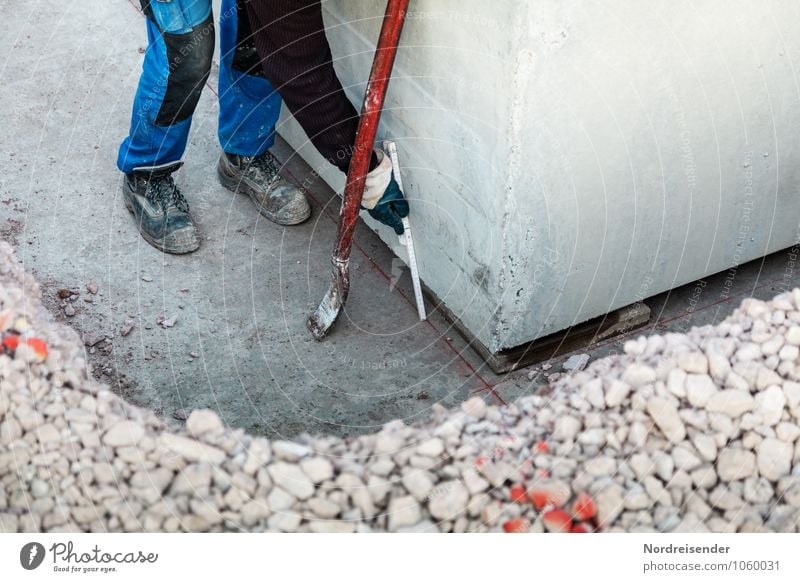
[[557, 521], [580, 528], [541, 447], [540, 498], [584, 507], [517, 525], [38, 346], [11, 342], [518, 494]]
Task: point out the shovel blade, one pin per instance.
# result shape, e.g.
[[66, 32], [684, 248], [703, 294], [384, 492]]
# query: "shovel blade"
[[331, 307]]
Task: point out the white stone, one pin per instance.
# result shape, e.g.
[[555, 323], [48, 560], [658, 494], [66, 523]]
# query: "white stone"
[[758, 490], [706, 445], [704, 477], [403, 512], [289, 451], [642, 465], [787, 431], [593, 392], [793, 335], [685, 459], [734, 403], [566, 428], [388, 443], [699, 388], [735, 464], [475, 407], [474, 482], [772, 345], [769, 405], [637, 499], [616, 393], [766, 378], [792, 392], [665, 466], [693, 362], [676, 382], [279, 499], [124, 434], [448, 500], [718, 366], [419, 483], [789, 353], [193, 480], [748, 352], [284, 522], [324, 508], [665, 415], [610, 502], [258, 454], [382, 467], [192, 450], [774, 458], [736, 382], [332, 527], [601, 466], [639, 375], [379, 488], [292, 479], [201, 422], [637, 436], [432, 447], [318, 469]]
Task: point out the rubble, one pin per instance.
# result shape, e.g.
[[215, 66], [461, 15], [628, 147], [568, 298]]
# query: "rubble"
[[695, 432]]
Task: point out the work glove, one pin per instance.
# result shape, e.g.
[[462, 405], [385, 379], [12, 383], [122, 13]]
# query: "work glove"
[[382, 196]]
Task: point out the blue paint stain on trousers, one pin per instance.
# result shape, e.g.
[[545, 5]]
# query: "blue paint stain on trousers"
[[176, 65]]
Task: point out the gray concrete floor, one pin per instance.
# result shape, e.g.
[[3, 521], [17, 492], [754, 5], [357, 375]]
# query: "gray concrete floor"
[[239, 344]]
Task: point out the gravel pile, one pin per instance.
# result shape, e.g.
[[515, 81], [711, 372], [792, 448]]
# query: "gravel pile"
[[695, 432]]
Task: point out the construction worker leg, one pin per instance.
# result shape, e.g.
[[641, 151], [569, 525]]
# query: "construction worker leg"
[[248, 105], [296, 58], [176, 65]]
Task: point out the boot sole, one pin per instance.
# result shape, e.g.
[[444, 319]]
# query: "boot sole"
[[191, 244], [241, 187]]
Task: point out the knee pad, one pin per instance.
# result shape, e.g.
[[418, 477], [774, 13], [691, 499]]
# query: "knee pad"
[[176, 16], [189, 59]]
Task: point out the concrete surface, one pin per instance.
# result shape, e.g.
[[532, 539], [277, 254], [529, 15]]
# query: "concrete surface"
[[565, 158], [69, 75], [66, 84]]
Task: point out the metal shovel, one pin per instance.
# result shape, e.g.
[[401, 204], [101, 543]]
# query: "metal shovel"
[[322, 320]]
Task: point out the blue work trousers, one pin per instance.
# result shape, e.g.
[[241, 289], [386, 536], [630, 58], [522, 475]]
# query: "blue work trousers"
[[176, 67]]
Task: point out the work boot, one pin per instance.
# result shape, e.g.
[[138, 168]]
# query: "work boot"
[[259, 177], [161, 211]]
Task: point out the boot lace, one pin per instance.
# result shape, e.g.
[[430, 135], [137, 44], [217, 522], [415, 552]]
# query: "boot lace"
[[265, 164], [163, 192]]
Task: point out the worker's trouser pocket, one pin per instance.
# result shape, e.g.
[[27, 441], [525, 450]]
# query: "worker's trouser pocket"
[[176, 16]]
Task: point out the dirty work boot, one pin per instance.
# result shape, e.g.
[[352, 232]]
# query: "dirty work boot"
[[259, 177], [160, 210]]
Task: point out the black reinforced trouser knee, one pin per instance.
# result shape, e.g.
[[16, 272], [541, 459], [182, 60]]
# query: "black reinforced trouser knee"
[[296, 58]]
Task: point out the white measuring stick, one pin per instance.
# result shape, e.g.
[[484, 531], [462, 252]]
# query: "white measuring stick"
[[391, 148]]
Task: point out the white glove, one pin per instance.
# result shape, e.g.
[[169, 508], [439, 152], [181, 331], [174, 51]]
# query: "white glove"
[[377, 181]]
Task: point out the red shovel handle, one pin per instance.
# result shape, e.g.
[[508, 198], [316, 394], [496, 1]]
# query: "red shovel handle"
[[330, 308], [368, 126]]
